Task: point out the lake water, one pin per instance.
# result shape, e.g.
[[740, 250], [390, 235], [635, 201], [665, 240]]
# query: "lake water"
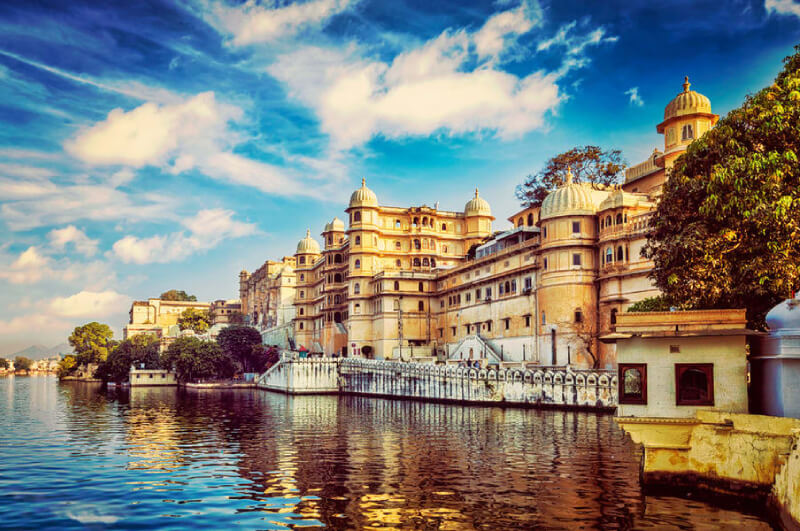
[[75, 457]]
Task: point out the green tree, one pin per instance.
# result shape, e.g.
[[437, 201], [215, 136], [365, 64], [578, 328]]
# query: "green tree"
[[191, 358], [589, 164], [196, 320], [175, 295], [4, 364], [139, 349], [651, 304], [91, 342], [67, 365], [21, 363], [264, 357], [726, 233], [238, 342]]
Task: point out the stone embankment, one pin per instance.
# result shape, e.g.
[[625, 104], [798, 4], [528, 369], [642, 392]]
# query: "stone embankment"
[[562, 387]]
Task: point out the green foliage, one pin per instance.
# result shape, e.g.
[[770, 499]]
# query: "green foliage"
[[651, 304], [175, 295], [67, 365], [91, 342], [238, 342], [726, 233], [264, 357], [139, 349], [4, 363], [21, 363], [196, 320], [192, 358], [589, 164]]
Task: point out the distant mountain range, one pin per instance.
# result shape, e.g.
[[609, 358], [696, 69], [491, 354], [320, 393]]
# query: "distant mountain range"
[[40, 352]]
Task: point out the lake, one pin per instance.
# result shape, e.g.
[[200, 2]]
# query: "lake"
[[73, 456]]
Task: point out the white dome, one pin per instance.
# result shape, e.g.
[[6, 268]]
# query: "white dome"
[[363, 197], [687, 102], [784, 316], [477, 206], [336, 225], [307, 245], [571, 199]]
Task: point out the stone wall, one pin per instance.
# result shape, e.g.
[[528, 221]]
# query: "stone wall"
[[545, 387]]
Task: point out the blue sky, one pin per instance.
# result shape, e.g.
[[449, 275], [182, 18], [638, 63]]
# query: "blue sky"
[[154, 145]]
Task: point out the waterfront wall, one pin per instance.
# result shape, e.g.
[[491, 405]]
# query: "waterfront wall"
[[545, 387], [753, 456]]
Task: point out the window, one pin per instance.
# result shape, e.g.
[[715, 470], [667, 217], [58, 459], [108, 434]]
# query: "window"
[[358, 240], [544, 318], [396, 304], [609, 255], [357, 308], [441, 303], [337, 278], [357, 264], [687, 133], [415, 222], [396, 286], [614, 316], [301, 326], [576, 227], [397, 245], [528, 283], [337, 259], [620, 254], [632, 383], [578, 316], [674, 349], [420, 287], [514, 286], [444, 249], [527, 321], [488, 293], [576, 259], [301, 311], [453, 330], [544, 232], [302, 259], [357, 217], [426, 262], [508, 286], [488, 326], [397, 224], [441, 332], [478, 294], [417, 245], [302, 294], [694, 384], [545, 263], [302, 277], [608, 221], [421, 306], [416, 262], [500, 288], [619, 219], [507, 323], [356, 288], [530, 220], [468, 296], [520, 222], [398, 263]]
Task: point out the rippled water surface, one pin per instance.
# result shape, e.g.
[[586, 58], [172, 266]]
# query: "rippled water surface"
[[73, 456]]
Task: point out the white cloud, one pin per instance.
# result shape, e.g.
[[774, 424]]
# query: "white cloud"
[[251, 23], [634, 97], [783, 7], [33, 266], [575, 45], [492, 38], [59, 238], [90, 304], [30, 267], [205, 231]]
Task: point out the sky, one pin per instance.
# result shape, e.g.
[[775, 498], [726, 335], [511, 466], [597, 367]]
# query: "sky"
[[155, 145]]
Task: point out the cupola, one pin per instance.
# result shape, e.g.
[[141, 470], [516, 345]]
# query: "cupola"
[[308, 245], [571, 199], [363, 197], [477, 206], [336, 225]]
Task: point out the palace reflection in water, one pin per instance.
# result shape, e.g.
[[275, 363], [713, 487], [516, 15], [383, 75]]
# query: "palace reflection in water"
[[75, 455]]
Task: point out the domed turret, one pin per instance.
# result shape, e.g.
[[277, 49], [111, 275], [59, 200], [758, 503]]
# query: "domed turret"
[[477, 206], [687, 102], [308, 245], [571, 199], [363, 197], [336, 225], [784, 316]]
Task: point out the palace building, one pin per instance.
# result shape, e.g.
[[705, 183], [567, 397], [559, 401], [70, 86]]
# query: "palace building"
[[401, 282]]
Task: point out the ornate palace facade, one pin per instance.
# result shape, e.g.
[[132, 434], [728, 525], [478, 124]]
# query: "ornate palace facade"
[[418, 281]]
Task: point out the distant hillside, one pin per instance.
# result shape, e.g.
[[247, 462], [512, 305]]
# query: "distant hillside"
[[40, 352]]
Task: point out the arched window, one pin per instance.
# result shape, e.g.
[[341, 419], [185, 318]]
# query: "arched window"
[[357, 264], [608, 221], [416, 262], [417, 245], [433, 262], [396, 286], [302, 277], [397, 224], [508, 286], [614, 316], [302, 294], [421, 287], [619, 254], [337, 278], [444, 226], [336, 299], [530, 219], [426, 262], [619, 219], [424, 243], [425, 222], [397, 245], [421, 306], [337, 317], [301, 311], [358, 240], [519, 222], [357, 216], [302, 259], [609, 255], [415, 222], [578, 315], [687, 133], [356, 288], [337, 259], [301, 326], [398, 263], [602, 223], [357, 308]]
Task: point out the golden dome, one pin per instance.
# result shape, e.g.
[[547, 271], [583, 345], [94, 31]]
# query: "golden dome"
[[477, 206], [363, 197], [687, 102], [336, 225], [308, 245], [571, 199]]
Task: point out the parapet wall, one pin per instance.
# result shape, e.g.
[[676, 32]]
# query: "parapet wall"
[[545, 387]]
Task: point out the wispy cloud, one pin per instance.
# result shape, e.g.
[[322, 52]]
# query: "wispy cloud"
[[783, 7], [60, 238], [204, 231], [633, 96], [90, 304]]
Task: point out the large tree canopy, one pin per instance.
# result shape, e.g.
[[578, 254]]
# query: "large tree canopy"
[[192, 358], [21, 363], [140, 349], [196, 320], [91, 342], [175, 295], [589, 164], [726, 232], [239, 342]]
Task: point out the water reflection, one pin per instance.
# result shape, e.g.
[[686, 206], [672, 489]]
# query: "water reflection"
[[160, 457]]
